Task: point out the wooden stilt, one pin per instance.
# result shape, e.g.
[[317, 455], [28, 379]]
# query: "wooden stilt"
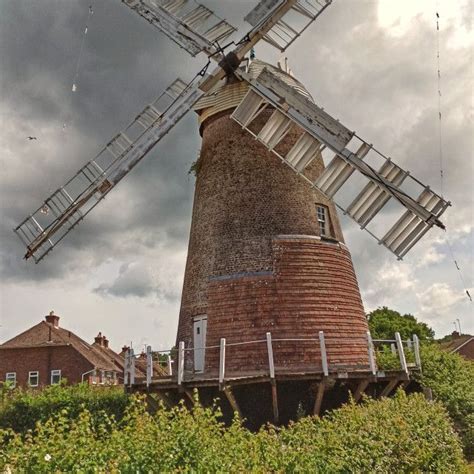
[[276, 415], [233, 402], [319, 397], [162, 397], [189, 394], [360, 389], [389, 388]]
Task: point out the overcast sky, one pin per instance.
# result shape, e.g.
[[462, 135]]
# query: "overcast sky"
[[372, 64]]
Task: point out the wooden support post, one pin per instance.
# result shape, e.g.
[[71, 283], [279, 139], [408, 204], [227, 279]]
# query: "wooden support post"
[[132, 367], [319, 397], [416, 350], [389, 388], [233, 402], [271, 368], [276, 415], [370, 344], [363, 384], [271, 364], [170, 367], [190, 395], [149, 365], [151, 402], [324, 357], [126, 369], [180, 362], [222, 364], [165, 399], [401, 353]]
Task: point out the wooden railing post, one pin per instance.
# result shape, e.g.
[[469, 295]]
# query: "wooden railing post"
[[271, 364], [126, 368], [222, 363], [371, 349], [132, 367], [180, 362], [324, 357], [401, 352], [170, 366], [416, 350], [149, 365]]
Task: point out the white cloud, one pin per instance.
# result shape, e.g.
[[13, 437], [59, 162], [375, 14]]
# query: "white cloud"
[[439, 301]]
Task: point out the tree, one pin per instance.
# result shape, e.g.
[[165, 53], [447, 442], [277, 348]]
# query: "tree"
[[384, 322]]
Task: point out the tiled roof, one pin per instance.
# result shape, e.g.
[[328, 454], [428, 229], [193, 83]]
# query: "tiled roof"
[[456, 343], [46, 334]]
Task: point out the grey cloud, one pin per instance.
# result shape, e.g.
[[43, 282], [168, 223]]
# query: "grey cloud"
[[384, 87]]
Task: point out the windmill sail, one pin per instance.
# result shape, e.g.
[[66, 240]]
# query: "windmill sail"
[[190, 25], [66, 207], [318, 131], [298, 15]]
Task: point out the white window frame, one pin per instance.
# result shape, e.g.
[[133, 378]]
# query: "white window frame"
[[55, 372], [322, 216], [11, 377], [31, 374]]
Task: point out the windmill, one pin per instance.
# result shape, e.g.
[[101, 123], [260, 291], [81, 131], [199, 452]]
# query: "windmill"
[[250, 269]]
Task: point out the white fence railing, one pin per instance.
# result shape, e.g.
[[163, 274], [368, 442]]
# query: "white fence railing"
[[162, 364]]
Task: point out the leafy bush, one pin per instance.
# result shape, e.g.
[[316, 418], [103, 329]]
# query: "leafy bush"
[[21, 409], [388, 360], [451, 378], [403, 434], [385, 322]]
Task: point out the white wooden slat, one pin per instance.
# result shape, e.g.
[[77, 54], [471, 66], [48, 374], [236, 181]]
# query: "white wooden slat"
[[248, 109], [148, 117], [275, 129], [195, 18], [219, 31], [174, 6], [373, 197], [119, 145], [303, 152]]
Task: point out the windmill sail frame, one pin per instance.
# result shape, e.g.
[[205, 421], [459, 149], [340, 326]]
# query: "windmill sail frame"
[[291, 108]]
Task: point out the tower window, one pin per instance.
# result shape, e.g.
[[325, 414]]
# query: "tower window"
[[322, 214]]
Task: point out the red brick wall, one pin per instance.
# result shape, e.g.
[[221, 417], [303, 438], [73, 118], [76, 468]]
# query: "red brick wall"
[[43, 359], [313, 288]]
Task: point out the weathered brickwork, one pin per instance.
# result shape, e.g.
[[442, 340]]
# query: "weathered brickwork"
[[313, 288], [256, 262]]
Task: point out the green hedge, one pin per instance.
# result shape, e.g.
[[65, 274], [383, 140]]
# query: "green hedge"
[[20, 409], [451, 378], [403, 434]]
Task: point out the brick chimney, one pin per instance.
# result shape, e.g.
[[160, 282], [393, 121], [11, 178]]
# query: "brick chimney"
[[124, 350], [99, 339], [105, 341], [52, 319]]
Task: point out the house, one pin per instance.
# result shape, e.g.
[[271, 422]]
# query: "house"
[[462, 344], [47, 353]]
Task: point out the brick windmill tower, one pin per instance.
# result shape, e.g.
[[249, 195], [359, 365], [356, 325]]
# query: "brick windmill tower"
[[269, 287], [266, 251]]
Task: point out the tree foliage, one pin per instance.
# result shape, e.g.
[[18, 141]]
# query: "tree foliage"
[[384, 322], [403, 434]]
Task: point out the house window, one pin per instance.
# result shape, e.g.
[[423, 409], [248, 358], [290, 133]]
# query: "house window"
[[55, 376], [322, 215], [11, 379], [33, 379]]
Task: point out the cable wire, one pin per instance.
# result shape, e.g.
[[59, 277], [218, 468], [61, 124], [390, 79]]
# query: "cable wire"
[[440, 150]]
